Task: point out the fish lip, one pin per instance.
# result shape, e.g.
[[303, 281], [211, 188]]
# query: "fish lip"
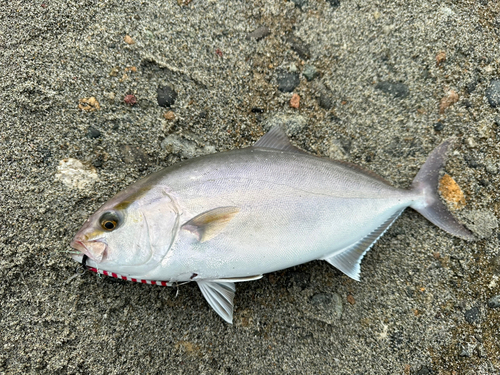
[[82, 248]]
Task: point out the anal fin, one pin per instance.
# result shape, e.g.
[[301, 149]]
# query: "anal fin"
[[219, 295], [348, 260], [238, 279]]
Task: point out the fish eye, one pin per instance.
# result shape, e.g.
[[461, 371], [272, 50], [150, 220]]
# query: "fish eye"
[[109, 221]]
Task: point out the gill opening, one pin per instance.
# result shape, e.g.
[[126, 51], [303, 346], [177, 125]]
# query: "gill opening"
[[176, 226]]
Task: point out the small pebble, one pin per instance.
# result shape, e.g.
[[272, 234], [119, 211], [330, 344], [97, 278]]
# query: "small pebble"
[[491, 167], [177, 145], [93, 132], [471, 142], [471, 86], [465, 351], [325, 101], [494, 302], [287, 82], [98, 161], [300, 3], [324, 95], [424, 370], [166, 96], [440, 58], [336, 151], [333, 3], [128, 40], [438, 126], [132, 154], [114, 72], [300, 47], [396, 89], [293, 124], [130, 100], [493, 93], [170, 115], [496, 262], [448, 100], [74, 174], [473, 315], [259, 33], [295, 101], [89, 104], [310, 72]]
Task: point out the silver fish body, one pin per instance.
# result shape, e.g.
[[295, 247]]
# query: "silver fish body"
[[236, 215]]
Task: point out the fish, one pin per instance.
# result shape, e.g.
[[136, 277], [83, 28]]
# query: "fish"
[[233, 216]]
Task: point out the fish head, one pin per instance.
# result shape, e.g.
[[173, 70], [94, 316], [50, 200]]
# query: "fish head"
[[129, 234]]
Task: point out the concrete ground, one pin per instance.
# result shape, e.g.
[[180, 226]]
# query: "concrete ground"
[[381, 83]]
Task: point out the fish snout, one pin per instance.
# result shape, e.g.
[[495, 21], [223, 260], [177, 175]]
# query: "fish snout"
[[94, 250]]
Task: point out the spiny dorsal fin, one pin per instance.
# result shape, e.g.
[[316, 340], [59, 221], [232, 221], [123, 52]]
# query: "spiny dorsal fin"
[[349, 259], [210, 223], [277, 139], [219, 296]]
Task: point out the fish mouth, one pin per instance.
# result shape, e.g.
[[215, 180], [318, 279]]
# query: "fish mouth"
[[89, 250]]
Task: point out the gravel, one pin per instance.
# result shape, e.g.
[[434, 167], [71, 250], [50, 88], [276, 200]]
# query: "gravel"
[[57, 55], [494, 302], [301, 48], [310, 72], [473, 315], [287, 81], [493, 93], [259, 33], [166, 96], [396, 89], [93, 132]]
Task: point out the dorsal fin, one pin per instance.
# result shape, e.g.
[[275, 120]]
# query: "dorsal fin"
[[277, 139], [349, 260]]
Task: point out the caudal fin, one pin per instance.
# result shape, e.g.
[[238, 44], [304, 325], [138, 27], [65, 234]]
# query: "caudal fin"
[[431, 206]]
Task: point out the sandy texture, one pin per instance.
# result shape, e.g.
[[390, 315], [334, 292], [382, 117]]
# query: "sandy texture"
[[386, 82]]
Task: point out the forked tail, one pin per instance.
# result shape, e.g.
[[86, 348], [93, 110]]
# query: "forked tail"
[[431, 206]]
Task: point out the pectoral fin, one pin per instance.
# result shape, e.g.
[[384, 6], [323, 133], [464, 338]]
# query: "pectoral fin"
[[210, 223], [219, 296], [349, 259]]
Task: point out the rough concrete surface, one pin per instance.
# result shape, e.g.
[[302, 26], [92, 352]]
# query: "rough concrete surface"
[[389, 80]]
